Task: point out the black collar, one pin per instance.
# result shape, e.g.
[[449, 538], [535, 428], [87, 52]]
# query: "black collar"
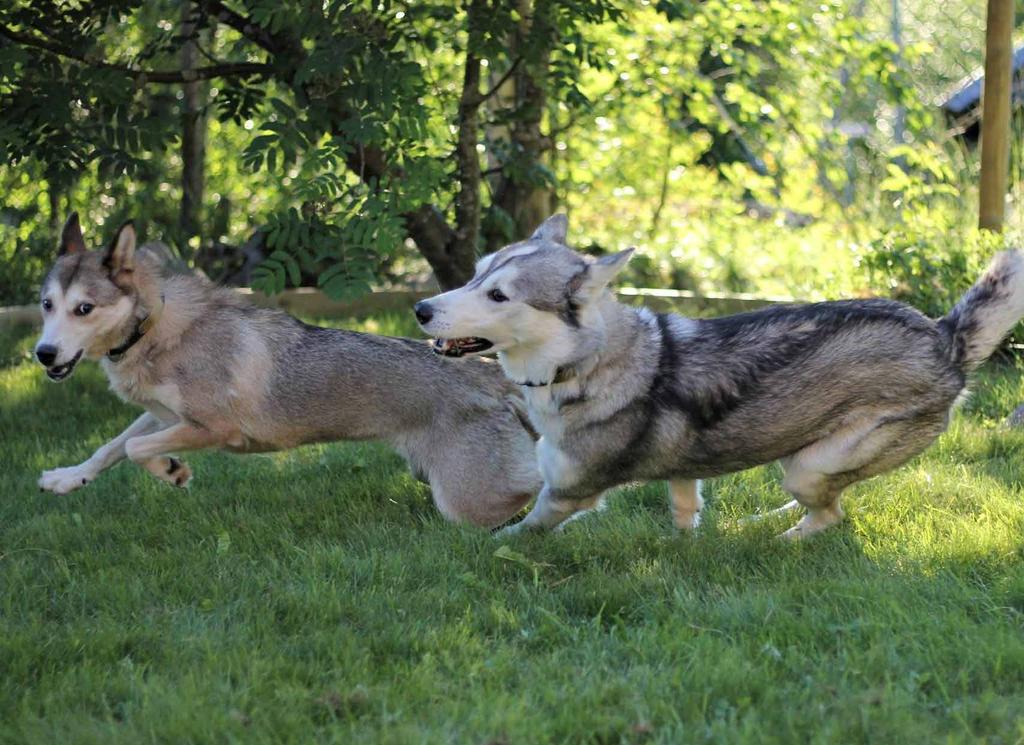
[[145, 324], [562, 374]]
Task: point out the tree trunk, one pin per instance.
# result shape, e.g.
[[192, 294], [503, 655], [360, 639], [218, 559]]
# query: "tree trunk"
[[527, 201], [193, 134], [435, 239], [995, 114], [467, 204]]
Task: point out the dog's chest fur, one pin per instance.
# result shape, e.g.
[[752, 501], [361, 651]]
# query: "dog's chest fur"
[[585, 421], [139, 383]]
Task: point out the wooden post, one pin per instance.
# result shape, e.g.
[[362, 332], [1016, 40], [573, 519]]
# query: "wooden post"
[[995, 114]]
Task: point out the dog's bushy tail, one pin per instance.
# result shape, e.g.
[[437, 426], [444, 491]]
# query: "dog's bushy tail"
[[987, 312]]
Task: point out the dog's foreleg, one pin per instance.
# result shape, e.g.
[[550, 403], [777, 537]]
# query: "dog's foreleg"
[[153, 451], [686, 502], [548, 513], [64, 480]]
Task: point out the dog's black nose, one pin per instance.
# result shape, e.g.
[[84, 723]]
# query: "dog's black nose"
[[423, 311], [46, 353]]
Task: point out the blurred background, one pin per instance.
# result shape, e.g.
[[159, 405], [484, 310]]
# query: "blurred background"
[[779, 148]]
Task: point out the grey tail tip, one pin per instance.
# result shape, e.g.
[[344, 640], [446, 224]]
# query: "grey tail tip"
[[987, 312]]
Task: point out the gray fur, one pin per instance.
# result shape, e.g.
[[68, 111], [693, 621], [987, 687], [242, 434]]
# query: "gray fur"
[[836, 391], [216, 371]]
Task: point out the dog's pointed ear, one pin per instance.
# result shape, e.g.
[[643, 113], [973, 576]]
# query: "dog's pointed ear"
[[589, 283], [554, 229], [120, 256], [71, 240]]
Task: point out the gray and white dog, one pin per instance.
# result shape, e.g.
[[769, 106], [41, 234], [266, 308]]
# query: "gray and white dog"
[[214, 371], [836, 391]]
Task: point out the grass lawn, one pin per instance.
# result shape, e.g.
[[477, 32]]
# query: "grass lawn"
[[316, 595]]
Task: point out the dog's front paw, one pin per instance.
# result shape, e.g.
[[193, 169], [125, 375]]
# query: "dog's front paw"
[[511, 530], [172, 470], [65, 480], [687, 520]]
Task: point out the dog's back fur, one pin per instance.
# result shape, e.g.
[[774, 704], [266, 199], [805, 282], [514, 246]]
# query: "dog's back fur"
[[714, 396]]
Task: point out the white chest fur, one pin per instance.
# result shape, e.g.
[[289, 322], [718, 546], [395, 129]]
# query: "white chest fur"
[[558, 469], [135, 384]]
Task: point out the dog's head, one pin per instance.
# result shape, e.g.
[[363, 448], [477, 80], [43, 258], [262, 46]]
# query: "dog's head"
[[533, 298], [89, 300]]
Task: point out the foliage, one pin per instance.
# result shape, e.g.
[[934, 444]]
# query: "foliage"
[[928, 251], [343, 255], [348, 117], [928, 269], [24, 252]]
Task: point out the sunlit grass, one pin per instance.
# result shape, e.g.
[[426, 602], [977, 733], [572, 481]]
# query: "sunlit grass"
[[316, 595]]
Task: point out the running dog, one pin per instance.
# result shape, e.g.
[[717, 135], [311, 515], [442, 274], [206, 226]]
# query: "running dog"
[[213, 371], [836, 391]]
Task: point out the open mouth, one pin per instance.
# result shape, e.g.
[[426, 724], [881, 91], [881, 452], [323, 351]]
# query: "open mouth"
[[59, 372], [459, 347]]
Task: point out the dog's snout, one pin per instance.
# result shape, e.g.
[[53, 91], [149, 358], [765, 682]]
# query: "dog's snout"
[[423, 311], [46, 354]]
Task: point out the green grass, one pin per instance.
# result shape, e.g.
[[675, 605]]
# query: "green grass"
[[315, 595]]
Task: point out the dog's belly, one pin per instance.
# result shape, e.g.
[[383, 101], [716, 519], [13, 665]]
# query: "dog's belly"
[[245, 445], [738, 445]]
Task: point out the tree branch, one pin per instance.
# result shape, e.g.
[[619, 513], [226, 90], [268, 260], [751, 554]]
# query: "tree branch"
[[748, 154], [226, 69], [273, 43], [501, 81]]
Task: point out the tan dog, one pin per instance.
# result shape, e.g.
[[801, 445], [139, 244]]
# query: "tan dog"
[[213, 371]]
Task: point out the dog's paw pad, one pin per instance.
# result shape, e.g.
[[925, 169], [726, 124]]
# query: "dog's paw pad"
[[170, 470], [178, 472]]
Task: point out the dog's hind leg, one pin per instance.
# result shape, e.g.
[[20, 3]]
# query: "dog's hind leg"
[[824, 513], [152, 451], [482, 469], [817, 475], [64, 480], [486, 504], [686, 502]]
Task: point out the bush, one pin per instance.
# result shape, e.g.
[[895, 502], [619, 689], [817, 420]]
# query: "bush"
[[24, 262], [927, 268]]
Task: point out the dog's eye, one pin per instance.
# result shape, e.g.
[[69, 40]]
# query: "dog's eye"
[[47, 304], [497, 296], [83, 309]]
